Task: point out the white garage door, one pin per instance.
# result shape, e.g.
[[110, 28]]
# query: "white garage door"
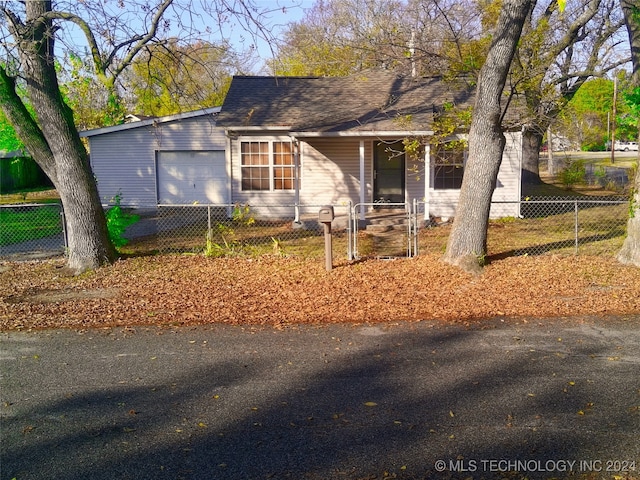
[[186, 177]]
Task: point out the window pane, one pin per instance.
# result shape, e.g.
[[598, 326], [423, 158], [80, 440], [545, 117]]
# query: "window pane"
[[283, 178], [255, 178], [254, 153], [448, 167], [282, 153], [448, 177]]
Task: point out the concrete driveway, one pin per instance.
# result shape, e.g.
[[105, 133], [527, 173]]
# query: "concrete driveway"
[[552, 398]]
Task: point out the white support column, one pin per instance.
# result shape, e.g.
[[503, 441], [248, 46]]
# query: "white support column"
[[427, 180], [230, 141], [296, 178], [363, 183]]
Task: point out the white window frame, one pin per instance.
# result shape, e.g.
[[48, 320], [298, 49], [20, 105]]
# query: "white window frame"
[[296, 165], [435, 164]]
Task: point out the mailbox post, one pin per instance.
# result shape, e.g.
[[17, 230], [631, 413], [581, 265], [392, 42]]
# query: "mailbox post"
[[325, 216]]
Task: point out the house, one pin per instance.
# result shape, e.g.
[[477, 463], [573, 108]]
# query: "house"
[[303, 142], [333, 140]]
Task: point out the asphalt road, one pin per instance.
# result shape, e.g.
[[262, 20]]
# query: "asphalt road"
[[550, 399]]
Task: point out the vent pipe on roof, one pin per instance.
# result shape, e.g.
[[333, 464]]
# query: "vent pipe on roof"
[[412, 51]]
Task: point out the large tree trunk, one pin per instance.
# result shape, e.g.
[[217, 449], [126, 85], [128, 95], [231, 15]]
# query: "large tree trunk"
[[531, 143], [467, 243], [630, 252], [54, 143]]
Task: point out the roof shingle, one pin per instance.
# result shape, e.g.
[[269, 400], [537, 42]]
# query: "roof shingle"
[[369, 101]]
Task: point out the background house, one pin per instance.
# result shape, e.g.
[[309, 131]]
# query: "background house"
[[300, 141]]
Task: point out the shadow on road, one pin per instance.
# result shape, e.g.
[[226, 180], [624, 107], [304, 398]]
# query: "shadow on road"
[[377, 404]]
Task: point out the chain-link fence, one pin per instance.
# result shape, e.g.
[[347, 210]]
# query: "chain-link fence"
[[33, 230], [227, 230], [587, 226]]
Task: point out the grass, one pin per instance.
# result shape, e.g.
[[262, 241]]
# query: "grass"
[[28, 223], [34, 195]]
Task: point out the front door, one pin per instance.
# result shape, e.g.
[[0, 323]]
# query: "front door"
[[388, 172]]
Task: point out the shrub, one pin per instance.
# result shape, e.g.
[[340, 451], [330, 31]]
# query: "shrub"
[[573, 174], [118, 221]]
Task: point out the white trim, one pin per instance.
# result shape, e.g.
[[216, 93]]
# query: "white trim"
[[427, 179], [270, 140], [149, 121], [363, 185], [364, 133], [228, 166], [253, 128]]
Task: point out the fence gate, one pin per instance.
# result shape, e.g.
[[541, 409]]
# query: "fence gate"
[[382, 230]]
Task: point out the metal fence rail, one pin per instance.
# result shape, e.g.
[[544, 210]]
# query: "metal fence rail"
[[567, 226], [32, 230], [588, 226], [227, 230]]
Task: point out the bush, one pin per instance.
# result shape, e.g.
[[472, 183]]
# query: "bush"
[[573, 174], [118, 221]]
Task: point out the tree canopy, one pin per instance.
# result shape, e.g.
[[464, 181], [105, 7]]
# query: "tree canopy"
[[108, 36]]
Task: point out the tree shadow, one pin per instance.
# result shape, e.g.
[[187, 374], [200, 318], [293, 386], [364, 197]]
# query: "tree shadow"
[[375, 404]]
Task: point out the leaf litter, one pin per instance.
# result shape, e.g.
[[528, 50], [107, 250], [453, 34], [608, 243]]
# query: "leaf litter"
[[177, 290]]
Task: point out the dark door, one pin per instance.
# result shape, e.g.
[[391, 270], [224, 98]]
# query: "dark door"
[[388, 172]]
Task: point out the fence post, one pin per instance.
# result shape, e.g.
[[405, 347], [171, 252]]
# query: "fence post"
[[349, 232], [576, 227], [415, 227], [64, 229]]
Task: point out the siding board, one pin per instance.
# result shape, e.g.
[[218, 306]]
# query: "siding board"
[[125, 161]]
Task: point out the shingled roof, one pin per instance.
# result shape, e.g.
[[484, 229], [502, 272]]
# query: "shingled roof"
[[372, 101]]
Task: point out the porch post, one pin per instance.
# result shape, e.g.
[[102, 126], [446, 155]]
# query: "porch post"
[[427, 180], [296, 178], [363, 184], [231, 140]]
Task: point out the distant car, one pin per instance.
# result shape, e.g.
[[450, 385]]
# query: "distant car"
[[626, 146]]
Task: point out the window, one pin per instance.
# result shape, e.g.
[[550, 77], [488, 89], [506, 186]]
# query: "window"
[[255, 165], [267, 165], [448, 165], [283, 166]]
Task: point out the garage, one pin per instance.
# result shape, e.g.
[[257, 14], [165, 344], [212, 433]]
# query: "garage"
[[187, 177]]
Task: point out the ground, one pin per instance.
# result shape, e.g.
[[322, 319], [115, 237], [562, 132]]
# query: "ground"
[[271, 290]]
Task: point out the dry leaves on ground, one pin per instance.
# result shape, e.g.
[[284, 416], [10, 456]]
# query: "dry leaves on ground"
[[190, 290]]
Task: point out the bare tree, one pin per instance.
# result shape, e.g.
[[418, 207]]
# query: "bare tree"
[[630, 252], [114, 34], [467, 242]]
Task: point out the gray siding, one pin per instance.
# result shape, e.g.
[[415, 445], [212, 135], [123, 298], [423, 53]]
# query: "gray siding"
[[330, 174], [443, 203], [125, 161], [332, 169]]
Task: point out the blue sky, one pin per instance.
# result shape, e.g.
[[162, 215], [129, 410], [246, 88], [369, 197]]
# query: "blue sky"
[[280, 13]]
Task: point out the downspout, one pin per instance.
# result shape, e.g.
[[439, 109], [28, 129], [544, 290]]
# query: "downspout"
[[229, 168], [427, 180], [363, 186], [296, 179]]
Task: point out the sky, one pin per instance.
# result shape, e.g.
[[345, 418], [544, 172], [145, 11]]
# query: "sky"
[[280, 13]]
